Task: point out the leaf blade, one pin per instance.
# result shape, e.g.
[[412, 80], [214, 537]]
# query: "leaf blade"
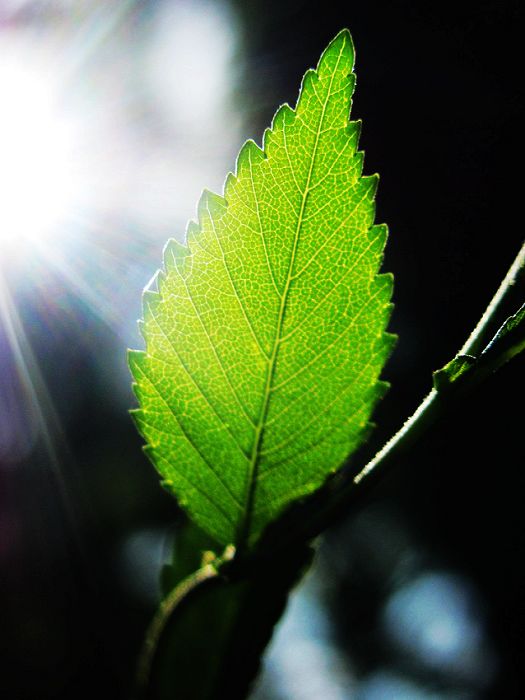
[[266, 337]]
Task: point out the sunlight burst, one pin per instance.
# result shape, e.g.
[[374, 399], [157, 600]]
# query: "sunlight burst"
[[36, 182]]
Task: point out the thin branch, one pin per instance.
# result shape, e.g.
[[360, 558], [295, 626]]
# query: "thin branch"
[[476, 337], [421, 415], [166, 608], [396, 441]]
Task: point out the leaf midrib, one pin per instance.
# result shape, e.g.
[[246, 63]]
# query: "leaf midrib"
[[244, 529]]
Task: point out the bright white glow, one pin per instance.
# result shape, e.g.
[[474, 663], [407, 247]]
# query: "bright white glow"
[[438, 620], [435, 616], [303, 661], [191, 63], [36, 182], [188, 79], [385, 685]]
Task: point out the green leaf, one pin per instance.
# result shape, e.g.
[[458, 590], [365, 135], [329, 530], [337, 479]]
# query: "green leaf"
[[509, 341], [266, 335], [452, 371]]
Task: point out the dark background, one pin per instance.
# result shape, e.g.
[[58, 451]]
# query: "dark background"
[[440, 92]]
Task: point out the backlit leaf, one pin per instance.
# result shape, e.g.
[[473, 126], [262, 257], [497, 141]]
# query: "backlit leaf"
[[266, 335]]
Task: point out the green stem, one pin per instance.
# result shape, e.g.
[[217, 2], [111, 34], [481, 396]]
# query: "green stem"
[[420, 417], [475, 340], [424, 415], [162, 615], [166, 608]]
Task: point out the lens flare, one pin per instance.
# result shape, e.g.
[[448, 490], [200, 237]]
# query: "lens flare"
[[96, 170], [36, 182]]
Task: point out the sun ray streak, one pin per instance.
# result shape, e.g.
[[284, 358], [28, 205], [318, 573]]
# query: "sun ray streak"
[[42, 416]]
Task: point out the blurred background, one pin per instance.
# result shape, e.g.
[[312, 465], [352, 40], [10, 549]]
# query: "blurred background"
[[113, 117]]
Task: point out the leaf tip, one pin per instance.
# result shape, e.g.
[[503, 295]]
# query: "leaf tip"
[[249, 155], [228, 184], [150, 303], [341, 45], [173, 254], [345, 37], [389, 339], [136, 416], [210, 204], [135, 359], [152, 284]]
